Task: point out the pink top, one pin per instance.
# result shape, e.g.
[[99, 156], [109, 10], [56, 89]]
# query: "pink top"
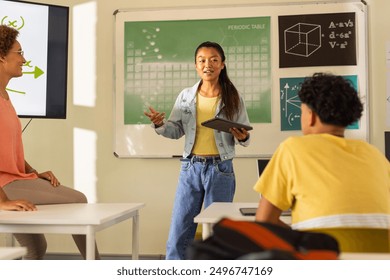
[[12, 165]]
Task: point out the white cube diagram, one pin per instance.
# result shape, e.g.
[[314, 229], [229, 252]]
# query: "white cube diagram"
[[302, 39]]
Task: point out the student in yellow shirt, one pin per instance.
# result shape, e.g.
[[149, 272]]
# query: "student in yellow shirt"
[[332, 184]]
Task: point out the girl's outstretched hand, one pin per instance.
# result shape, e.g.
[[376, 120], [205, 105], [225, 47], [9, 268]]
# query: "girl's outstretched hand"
[[155, 117]]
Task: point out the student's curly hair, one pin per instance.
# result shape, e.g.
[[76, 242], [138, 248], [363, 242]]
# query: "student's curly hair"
[[8, 37], [332, 98]]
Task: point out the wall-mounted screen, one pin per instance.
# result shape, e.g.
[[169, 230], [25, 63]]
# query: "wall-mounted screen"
[[43, 34]]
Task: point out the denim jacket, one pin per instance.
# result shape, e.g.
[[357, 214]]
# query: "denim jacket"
[[182, 121]]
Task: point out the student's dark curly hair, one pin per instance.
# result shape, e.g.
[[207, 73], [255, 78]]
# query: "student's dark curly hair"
[[332, 98], [8, 37]]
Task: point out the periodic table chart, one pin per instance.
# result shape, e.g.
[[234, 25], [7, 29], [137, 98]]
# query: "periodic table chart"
[[269, 49], [160, 63]]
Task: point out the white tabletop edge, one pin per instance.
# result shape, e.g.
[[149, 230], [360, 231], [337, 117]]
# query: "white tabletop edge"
[[71, 214], [11, 253]]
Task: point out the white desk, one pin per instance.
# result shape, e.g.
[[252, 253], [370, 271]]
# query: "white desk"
[[11, 253], [219, 210], [74, 219]]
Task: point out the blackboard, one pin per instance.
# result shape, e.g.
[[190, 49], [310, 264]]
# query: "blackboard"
[[269, 49]]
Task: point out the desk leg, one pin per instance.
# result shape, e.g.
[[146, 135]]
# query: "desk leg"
[[135, 244], [206, 230], [9, 240], [90, 239]]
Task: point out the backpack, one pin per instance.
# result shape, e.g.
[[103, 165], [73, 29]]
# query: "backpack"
[[259, 240]]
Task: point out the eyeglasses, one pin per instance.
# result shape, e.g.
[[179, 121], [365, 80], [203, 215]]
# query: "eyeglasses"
[[19, 52]]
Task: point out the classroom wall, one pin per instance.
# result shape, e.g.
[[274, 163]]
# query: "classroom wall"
[[80, 149]]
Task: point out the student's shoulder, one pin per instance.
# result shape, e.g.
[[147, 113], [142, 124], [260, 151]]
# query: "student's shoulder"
[[189, 91], [361, 145], [293, 140], [306, 138], [301, 142]]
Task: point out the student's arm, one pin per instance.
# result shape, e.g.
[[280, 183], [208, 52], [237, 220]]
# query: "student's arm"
[[47, 175], [28, 168], [267, 212], [16, 205]]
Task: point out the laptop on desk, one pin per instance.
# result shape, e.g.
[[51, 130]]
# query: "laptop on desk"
[[261, 164], [251, 211]]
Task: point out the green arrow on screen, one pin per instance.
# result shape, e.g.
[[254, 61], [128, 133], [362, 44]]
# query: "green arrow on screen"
[[37, 72], [16, 91]]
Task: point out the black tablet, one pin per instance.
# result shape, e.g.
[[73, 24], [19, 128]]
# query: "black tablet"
[[224, 125], [249, 211]]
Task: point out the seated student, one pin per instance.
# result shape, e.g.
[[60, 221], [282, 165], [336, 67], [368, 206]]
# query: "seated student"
[[21, 186], [332, 184]]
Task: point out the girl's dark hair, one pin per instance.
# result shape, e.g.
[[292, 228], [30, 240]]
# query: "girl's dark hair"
[[229, 95], [8, 37], [332, 98]]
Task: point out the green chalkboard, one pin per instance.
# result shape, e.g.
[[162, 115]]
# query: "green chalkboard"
[[159, 62]]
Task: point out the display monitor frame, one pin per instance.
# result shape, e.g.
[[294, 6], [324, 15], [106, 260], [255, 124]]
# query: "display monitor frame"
[[44, 35]]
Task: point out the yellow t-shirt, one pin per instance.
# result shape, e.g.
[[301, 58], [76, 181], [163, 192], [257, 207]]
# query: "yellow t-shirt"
[[329, 182], [204, 139]]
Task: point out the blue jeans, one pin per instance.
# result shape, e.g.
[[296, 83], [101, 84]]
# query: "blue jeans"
[[199, 183]]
